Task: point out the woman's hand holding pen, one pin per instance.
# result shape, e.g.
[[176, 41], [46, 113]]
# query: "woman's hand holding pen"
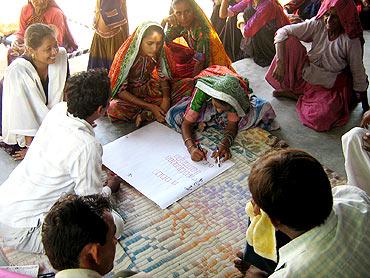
[[196, 154], [195, 150]]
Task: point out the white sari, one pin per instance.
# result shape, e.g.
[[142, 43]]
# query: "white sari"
[[24, 99]]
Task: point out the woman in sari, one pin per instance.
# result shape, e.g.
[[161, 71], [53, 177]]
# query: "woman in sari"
[[111, 30], [33, 84], [230, 35], [47, 12], [304, 9], [204, 47], [258, 24], [223, 99], [331, 77], [140, 78]]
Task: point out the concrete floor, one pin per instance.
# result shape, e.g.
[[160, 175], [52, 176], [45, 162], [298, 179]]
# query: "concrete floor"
[[324, 146]]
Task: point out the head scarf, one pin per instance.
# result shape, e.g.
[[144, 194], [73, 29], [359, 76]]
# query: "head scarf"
[[223, 84], [348, 16], [217, 55], [38, 17], [126, 55], [68, 41]]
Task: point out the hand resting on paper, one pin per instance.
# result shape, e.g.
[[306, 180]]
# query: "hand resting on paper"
[[114, 183], [223, 153]]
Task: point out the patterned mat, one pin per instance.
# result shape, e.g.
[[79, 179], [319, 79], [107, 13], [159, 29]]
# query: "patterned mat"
[[197, 236]]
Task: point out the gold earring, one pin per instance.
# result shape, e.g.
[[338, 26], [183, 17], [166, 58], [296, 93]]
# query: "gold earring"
[[33, 56]]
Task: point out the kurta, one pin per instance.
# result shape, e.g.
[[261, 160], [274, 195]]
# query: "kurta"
[[24, 102]]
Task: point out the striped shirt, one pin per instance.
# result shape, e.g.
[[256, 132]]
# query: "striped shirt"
[[338, 248]]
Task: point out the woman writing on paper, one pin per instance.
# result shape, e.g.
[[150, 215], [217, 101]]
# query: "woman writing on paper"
[[222, 99]]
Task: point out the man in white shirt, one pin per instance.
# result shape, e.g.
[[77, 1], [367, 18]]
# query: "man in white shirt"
[[356, 151], [65, 157], [328, 228], [79, 237]]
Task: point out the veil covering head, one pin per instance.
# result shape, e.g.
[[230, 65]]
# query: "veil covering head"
[[126, 55]]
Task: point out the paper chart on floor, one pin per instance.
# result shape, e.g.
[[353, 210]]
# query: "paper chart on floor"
[[154, 160]]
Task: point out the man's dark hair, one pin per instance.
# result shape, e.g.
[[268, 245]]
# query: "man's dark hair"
[[292, 187], [72, 223], [86, 91]]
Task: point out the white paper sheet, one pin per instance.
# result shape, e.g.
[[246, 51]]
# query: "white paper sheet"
[[154, 160]]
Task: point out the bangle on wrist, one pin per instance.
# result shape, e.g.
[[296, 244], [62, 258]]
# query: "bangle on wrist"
[[190, 147], [186, 140]]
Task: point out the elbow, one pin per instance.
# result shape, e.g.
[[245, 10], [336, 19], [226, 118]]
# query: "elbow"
[[222, 15]]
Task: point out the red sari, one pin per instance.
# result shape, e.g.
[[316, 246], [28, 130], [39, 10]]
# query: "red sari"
[[52, 15]]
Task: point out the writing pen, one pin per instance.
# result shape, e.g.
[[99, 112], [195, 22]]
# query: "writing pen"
[[201, 149], [218, 157]]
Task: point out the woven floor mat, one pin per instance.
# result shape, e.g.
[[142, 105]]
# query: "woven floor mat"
[[199, 235]]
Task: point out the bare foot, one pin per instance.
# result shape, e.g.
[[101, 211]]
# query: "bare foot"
[[285, 93], [240, 264], [255, 272]]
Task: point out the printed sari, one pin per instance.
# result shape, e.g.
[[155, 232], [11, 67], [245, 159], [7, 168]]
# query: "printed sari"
[[223, 84], [141, 76], [203, 44], [111, 30]]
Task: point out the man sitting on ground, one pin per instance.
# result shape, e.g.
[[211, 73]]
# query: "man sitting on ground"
[[328, 228], [65, 157], [78, 234], [356, 151]]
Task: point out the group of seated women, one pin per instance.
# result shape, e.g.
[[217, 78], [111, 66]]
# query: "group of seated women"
[[179, 72]]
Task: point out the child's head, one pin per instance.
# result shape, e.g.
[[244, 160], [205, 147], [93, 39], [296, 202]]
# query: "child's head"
[[292, 188], [152, 41]]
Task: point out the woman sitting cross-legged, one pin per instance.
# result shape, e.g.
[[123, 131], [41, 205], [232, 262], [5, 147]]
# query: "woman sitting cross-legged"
[[32, 85], [221, 98], [258, 24], [140, 78], [331, 77]]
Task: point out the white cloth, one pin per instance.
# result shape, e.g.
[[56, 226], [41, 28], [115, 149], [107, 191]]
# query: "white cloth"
[[64, 157], [88, 273], [327, 58], [24, 100], [338, 248], [23, 239], [357, 160]]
